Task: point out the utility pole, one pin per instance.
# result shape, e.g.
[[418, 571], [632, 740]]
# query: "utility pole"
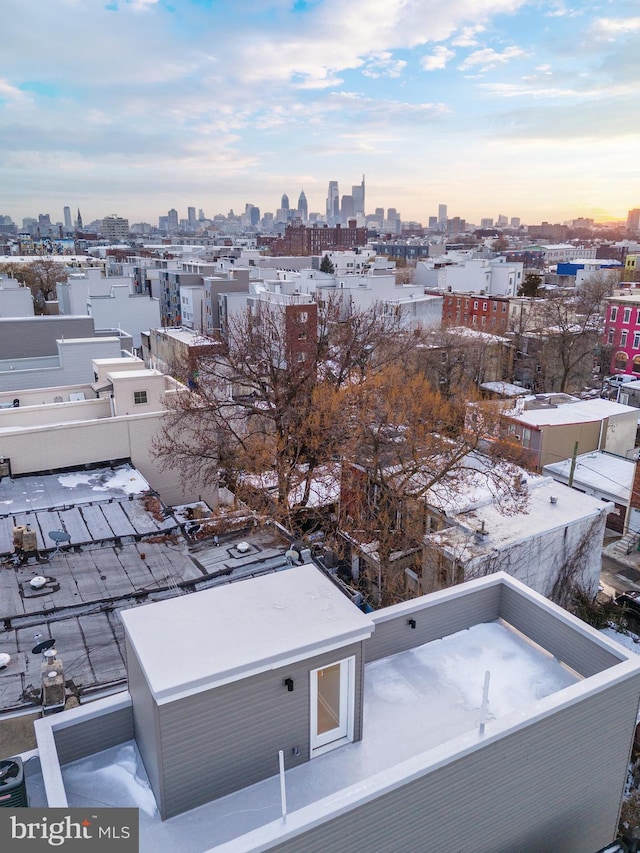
[[573, 464]]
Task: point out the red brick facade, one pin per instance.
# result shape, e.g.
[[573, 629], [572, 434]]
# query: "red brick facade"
[[482, 313], [300, 240]]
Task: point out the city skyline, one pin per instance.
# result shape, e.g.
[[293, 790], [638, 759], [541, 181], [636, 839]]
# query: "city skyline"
[[501, 106]]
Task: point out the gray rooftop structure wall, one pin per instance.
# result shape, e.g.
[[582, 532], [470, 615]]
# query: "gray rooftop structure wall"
[[28, 337], [553, 785], [234, 731]]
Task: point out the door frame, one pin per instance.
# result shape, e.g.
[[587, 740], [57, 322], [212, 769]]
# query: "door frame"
[[344, 732]]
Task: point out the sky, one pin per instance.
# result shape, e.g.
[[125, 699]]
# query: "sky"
[[528, 109]]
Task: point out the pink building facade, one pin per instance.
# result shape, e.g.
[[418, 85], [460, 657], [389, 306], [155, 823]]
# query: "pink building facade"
[[622, 333]]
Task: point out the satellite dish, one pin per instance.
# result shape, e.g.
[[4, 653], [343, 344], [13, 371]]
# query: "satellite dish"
[[59, 536], [43, 647]]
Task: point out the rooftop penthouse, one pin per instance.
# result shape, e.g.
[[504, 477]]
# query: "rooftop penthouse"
[[391, 734]]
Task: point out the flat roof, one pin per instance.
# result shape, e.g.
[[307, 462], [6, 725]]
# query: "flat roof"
[[584, 411], [605, 472], [226, 633]]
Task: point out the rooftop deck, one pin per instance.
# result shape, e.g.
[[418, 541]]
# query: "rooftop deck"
[[419, 705]]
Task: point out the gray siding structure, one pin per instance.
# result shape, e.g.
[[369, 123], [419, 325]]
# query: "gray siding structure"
[[30, 337], [239, 717], [210, 717]]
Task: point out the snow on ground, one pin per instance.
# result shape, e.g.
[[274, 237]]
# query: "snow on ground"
[[125, 479], [629, 641], [122, 779]]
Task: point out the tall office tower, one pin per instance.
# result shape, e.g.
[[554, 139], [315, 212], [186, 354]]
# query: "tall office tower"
[[357, 192], [333, 203], [201, 215], [284, 204], [79, 221], [486, 222], [433, 223], [379, 213], [442, 217], [346, 208], [254, 215], [303, 208], [191, 215], [515, 222], [633, 220], [68, 225], [172, 219], [502, 220]]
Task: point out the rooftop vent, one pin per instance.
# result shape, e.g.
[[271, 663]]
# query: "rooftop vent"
[[553, 499]]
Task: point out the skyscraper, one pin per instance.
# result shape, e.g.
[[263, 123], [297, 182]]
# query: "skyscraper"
[[284, 204], [172, 219], [357, 192], [346, 208], [78, 221], [68, 225], [333, 203], [191, 215], [442, 217], [303, 208], [633, 220]]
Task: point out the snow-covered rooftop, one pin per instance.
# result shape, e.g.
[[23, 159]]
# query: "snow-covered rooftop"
[[419, 705], [584, 411], [609, 474], [541, 515]]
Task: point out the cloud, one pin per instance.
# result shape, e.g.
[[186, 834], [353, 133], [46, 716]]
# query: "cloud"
[[467, 36], [487, 58], [611, 28], [438, 59], [383, 64]]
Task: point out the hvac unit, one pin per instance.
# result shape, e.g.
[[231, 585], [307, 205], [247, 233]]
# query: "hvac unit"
[[13, 788]]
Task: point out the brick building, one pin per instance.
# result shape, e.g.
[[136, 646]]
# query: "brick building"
[[300, 240], [486, 313]]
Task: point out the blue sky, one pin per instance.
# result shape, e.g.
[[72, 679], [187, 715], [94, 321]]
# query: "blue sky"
[[529, 109]]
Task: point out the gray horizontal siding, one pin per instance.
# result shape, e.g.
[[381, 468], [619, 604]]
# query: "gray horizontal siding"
[[93, 735], [37, 336], [553, 787], [434, 620], [145, 720], [559, 638], [226, 738]]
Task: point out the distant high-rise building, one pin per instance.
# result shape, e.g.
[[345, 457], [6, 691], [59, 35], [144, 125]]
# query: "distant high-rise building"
[[333, 203], [303, 208], [172, 219], [191, 215], [68, 225], [79, 221], [486, 222], [201, 215], [392, 214], [633, 220], [502, 220], [115, 228], [284, 204], [433, 223], [379, 213], [515, 222], [442, 217], [357, 192], [346, 208]]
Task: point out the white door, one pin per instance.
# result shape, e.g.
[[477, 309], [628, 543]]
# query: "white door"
[[332, 705]]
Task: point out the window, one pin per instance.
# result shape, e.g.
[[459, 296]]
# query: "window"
[[474, 320], [636, 364], [614, 313], [458, 302], [636, 340], [140, 397], [504, 307], [495, 306], [526, 437], [626, 317], [621, 361], [301, 356], [483, 321], [303, 316], [302, 336], [623, 338], [475, 304], [484, 306], [610, 337]]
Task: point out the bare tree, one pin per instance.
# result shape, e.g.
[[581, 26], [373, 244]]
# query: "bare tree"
[[40, 276], [268, 413]]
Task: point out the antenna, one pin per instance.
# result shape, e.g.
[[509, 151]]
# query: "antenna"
[[59, 536], [42, 647]]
